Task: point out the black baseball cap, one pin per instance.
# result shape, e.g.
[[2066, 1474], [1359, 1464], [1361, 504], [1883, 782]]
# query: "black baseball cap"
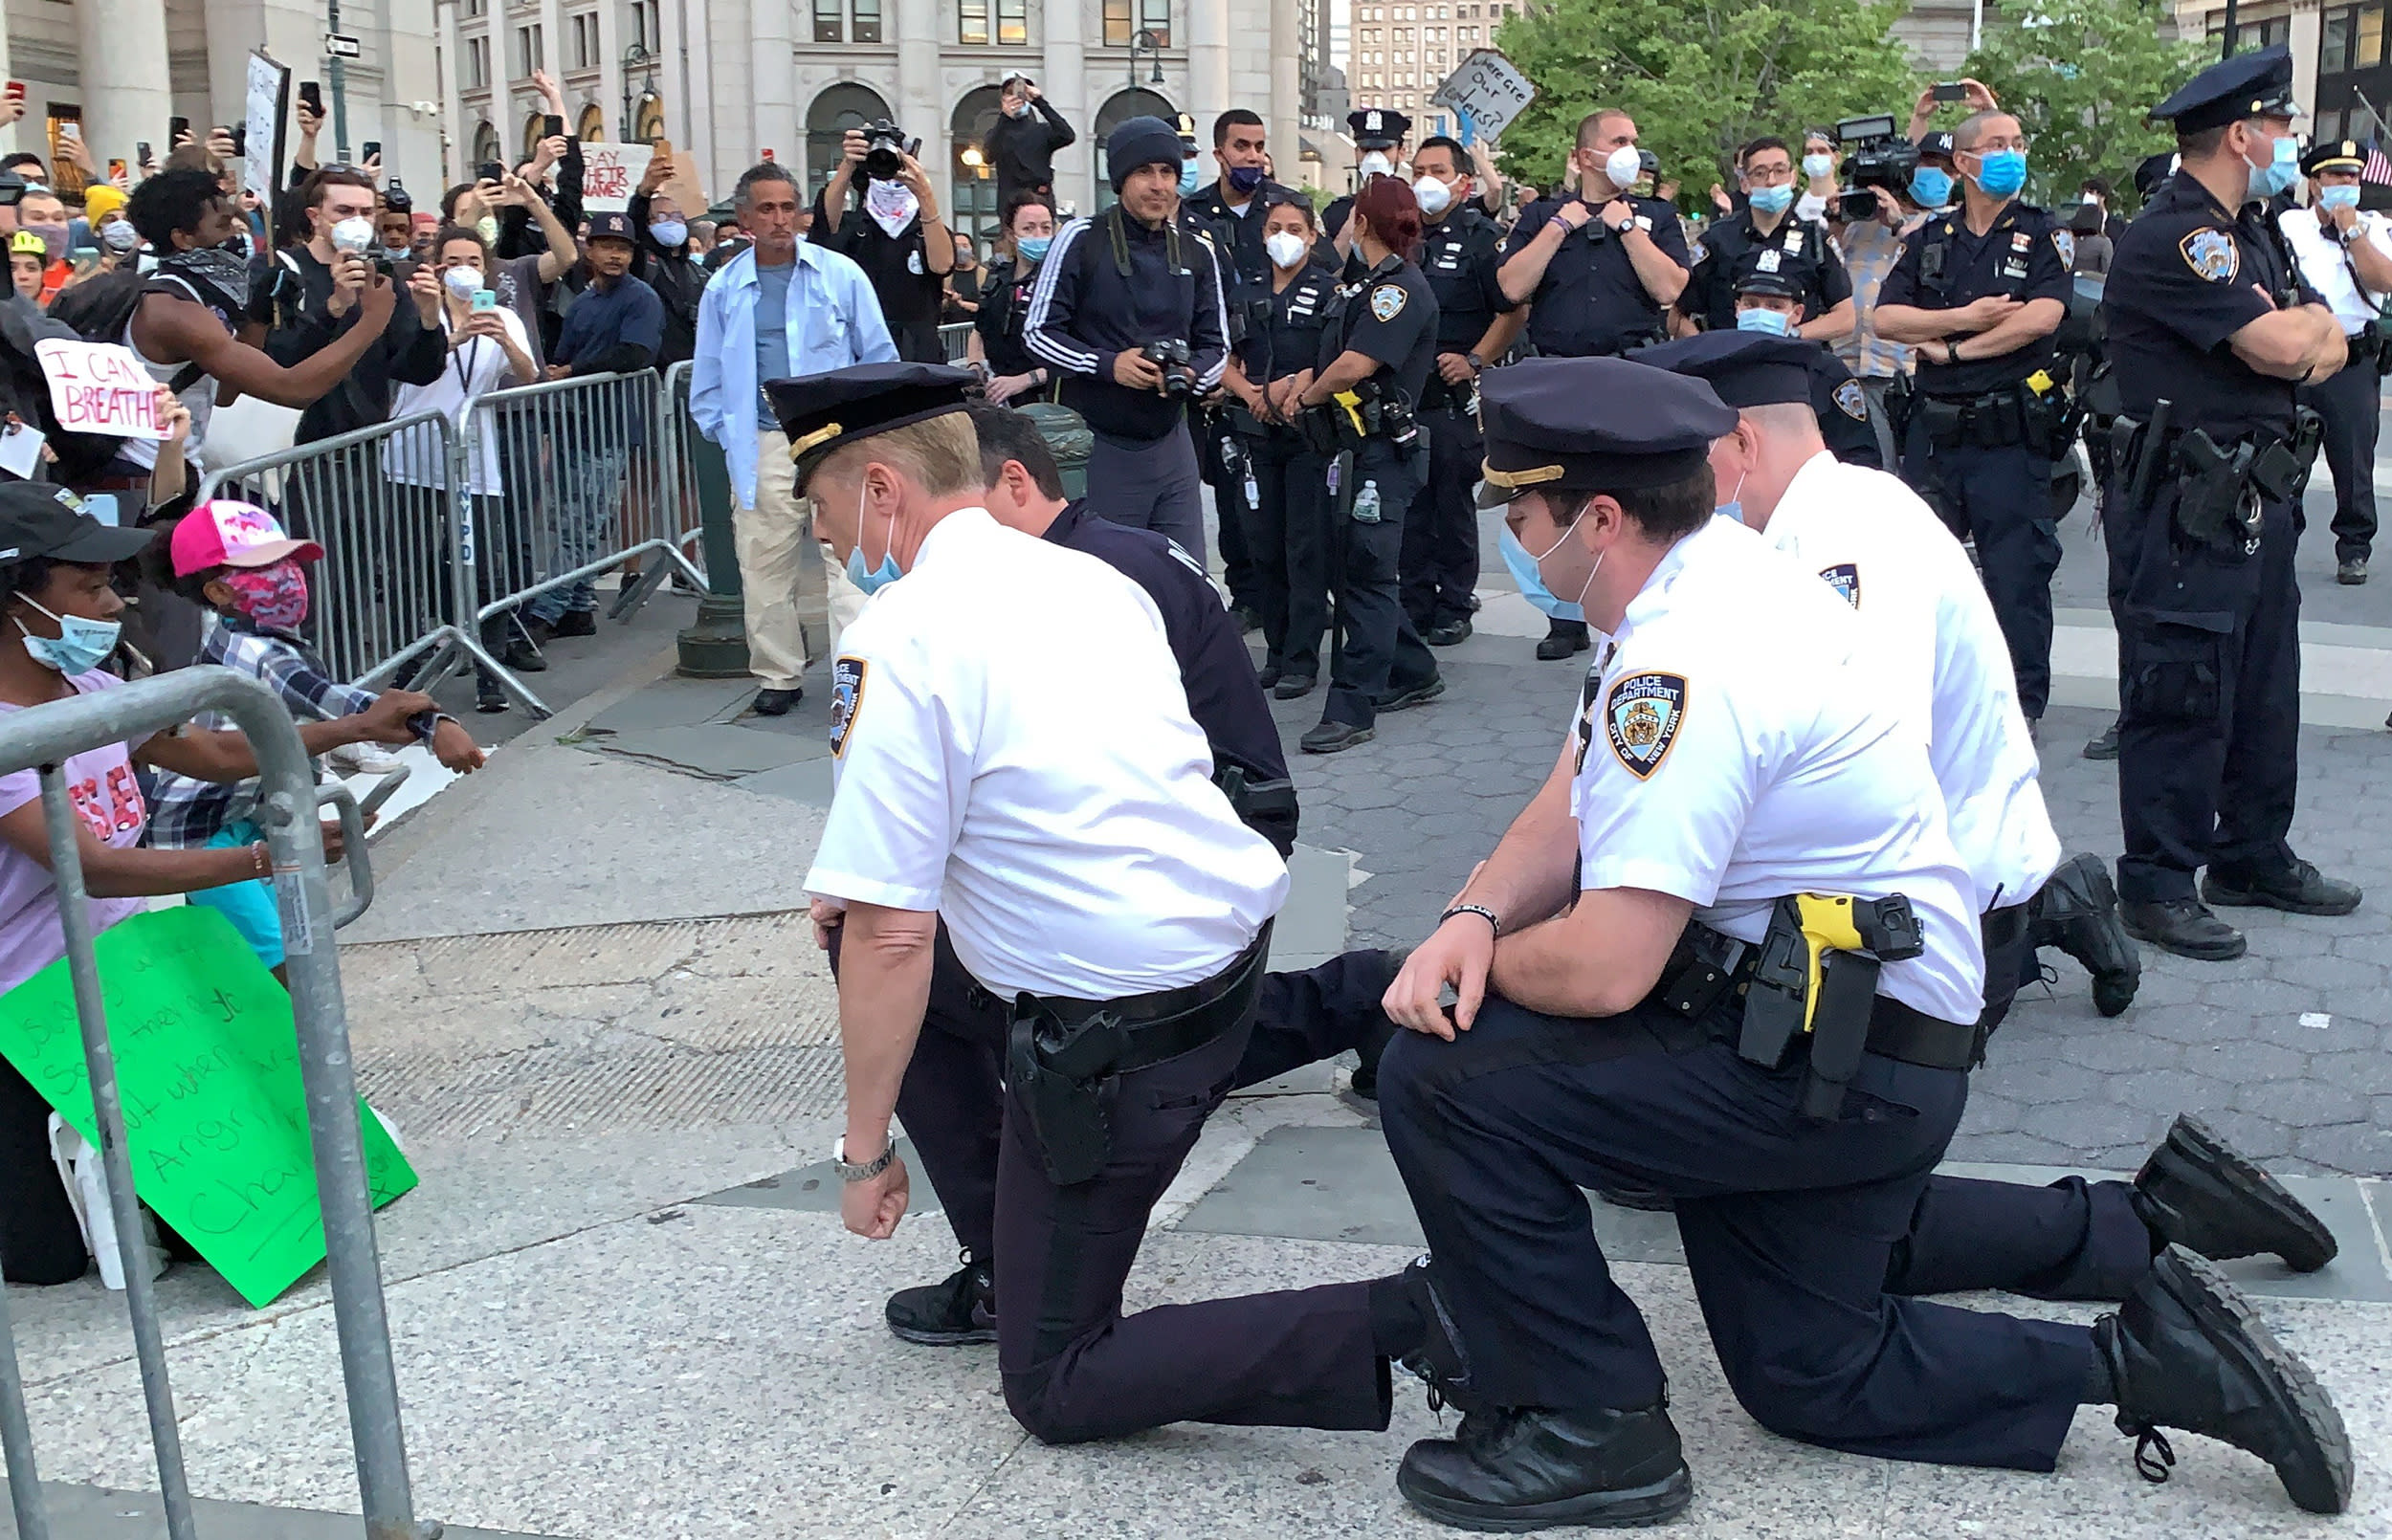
[[611, 226], [37, 519]]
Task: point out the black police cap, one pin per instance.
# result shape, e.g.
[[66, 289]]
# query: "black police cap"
[[2334, 155], [1743, 368], [1592, 424], [1756, 275], [2154, 170], [2248, 85], [1378, 128], [821, 413], [37, 519]]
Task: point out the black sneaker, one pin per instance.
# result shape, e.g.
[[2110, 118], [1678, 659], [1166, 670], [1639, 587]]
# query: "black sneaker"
[[1439, 1361], [576, 622], [962, 1309], [2187, 1351], [1643, 1199], [1248, 618], [2350, 571], [489, 700], [1267, 675], [1561, 641], [1419, 695], [522, 657], [1514, 1469], [2105, 744], [2303, 890], [2183, 926], [2195, 1191], [1450, 634], [1292, 686], [1334, 737], [2077, 911]]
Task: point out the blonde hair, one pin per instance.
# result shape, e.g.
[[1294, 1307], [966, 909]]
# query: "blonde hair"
[[940, 454]]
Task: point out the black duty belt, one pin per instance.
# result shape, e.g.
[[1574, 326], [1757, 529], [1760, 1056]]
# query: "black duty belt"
[[1144, 1030], [1709, 965]]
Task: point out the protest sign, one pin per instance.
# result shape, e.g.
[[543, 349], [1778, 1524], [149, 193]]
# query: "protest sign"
[[266, 102], [207, 1062], [99, 387], [610, 174], [1490, 88]]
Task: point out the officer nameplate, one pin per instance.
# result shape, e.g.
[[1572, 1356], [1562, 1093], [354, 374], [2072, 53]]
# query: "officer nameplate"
[[1386, 302], [1852, 401], [2212, 254], [1845, 579], [847, 698], [1642, 717]]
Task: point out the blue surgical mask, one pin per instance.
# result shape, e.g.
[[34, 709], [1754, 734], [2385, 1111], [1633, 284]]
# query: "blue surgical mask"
[[80, 646], [1033, 248], [670, 234], [2338, 197], [1189, 183], [1523, 569], [1931, 187], [1734, 507], [1244, 178], [1815, 165], [1773, 200], [2002, 172], [2279, 173], [1775, 322], [879, 577]]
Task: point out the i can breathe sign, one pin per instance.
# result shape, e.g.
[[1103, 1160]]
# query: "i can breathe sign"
[[99, 387]]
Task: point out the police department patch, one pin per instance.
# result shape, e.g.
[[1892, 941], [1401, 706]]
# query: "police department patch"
[[1852, 401], [1643, 715], [847, 698], [2212, 254], [1386, 302], [1845, 579]]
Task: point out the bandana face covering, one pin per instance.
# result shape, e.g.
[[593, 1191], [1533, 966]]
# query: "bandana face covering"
[[891, 205], [275, 597]]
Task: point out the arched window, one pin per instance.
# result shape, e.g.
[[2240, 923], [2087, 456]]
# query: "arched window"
[[532, 126], [844, 106], [593, 124], [1123, 106], [975, 178], [486, 145]]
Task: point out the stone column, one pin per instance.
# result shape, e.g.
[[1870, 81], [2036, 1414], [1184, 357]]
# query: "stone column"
[[2307, 35], [1207, 47], [1285, 113], [127, 95], [1066, 83], [775, 88]]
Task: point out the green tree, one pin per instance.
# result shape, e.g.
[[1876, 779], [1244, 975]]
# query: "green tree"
[[1700, 77], [2079, 76]]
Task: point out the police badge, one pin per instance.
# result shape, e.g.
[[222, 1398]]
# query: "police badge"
[[1845, 579], [1387, 303], [1852, 401], [1642, 717], [2212, 254], [847, 695]]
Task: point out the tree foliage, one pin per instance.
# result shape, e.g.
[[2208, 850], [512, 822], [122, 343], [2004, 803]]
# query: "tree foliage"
[[2079, 76], [1700, 77]]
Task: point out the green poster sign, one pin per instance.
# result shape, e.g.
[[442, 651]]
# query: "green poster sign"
[[207, 1062]]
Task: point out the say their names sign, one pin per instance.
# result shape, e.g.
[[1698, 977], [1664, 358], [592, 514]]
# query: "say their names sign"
[[99, 387], [610, 174]]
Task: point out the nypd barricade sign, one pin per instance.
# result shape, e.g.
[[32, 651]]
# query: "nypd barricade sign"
[[1490, 88], [99, 387]]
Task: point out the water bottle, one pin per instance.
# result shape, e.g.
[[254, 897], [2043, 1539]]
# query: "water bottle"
[[1366, 503]]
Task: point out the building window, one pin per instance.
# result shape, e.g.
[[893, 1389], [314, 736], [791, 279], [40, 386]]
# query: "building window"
[[475, 8], [477, 62], [585, 51], [528, 51], [829, 22], [972, 21], [1152, 15], [868, 21], [2370, 37], [1012, 22]]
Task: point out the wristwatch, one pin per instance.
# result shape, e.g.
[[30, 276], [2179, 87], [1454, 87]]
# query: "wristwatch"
[[1625, 226], [850, 1172], [1477, 364], [1951, 351]]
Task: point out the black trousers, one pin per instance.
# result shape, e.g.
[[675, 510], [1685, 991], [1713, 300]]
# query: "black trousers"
[[2208, 698], [39, 1240], [1241, 573], [1790, 1229], [1382, 653], [2348, 400], [1287, 537], [1440, 557], [2002, 500]]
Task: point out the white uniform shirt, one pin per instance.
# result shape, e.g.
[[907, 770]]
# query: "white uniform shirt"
[[1739, 744], [2326, 267], [1941, 656], [1032, 773]]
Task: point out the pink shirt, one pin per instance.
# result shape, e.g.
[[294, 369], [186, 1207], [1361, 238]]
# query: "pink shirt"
[[99, 783]]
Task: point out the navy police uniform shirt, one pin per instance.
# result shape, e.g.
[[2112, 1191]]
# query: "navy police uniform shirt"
[[1459, 256], [1842, 407], [1288, 341], [1389, 316], [1945, 265], [1803, 255], [1591, 301], [1238, 235], [2187, 275]]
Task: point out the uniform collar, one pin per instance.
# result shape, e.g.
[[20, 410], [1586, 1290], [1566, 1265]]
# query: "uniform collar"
[[961, 529], [1652, 600], [1065, 522], [1812, 486]]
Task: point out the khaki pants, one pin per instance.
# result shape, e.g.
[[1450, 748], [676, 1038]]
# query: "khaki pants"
[[771, 539]]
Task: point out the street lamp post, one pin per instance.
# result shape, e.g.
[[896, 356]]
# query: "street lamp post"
[[637, 62], [1145, 42]]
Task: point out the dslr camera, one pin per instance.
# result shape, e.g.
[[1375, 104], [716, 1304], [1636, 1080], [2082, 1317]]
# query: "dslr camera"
[[1179, 371], [886, 147], [1874, 156]]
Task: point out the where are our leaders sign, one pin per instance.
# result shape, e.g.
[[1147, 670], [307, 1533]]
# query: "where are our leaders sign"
[[99, 387]]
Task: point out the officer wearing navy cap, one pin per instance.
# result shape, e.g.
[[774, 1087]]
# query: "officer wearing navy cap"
[[2211, 333], [1379, 136], [2345, 254], [1769, 300], [1603, 958]]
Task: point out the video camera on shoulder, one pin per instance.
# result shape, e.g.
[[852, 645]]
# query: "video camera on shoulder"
[[885, 148], [1874, 156], [1178, 367]]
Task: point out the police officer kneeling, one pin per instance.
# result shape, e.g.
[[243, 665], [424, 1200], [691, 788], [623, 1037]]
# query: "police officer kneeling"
[[1747, 803]]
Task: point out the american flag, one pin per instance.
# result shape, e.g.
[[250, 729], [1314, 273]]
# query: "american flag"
[[2378, 168]]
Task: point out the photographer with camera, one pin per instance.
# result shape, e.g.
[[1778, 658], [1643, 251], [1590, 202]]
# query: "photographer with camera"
[[1978, 293], [1766, 228], [2346, 257], [1129, 308], [898, 240], [1021, 145]]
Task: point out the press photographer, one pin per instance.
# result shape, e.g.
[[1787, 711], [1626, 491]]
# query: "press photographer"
[[897, 237]]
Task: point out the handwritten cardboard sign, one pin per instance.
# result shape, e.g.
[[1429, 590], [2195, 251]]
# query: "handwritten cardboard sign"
[[1490, 88], [99, 387], [610, 174], [207, 1062]]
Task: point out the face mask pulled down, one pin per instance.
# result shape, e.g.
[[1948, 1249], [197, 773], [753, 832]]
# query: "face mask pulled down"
[[871, 580], [1526, 569]]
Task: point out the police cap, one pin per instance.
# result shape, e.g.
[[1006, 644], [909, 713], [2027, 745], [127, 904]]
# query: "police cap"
[[2154, 170], [1378, 128], [822, 413], [1766, 269], [1743, 368], [1592, 424], [2248, 85], [2334, 155]]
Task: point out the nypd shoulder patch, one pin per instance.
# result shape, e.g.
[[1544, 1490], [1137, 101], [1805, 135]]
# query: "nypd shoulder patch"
[[1845, 579], [2212, 254], [1387, 301], [1643, 715], [846, 698], [1852, 401]]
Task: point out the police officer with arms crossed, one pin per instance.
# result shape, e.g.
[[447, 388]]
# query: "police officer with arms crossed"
[[1112, 287], [1980, 290], [2345, 258], [2207, 316], [1734, 750], [1477, 321], [972, 790], [1362, 402], [1802, 252], [1599, 270]]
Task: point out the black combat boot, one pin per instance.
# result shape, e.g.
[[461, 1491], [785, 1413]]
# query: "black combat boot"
[[2196, 1192], [961, 1309], [2077, 913], [2187, 1351]]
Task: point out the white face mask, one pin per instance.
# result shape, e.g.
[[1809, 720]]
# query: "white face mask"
[[1623, 166], [1287, 249], [1375, 164], [354, 235], [1434, 196], [462, 282]]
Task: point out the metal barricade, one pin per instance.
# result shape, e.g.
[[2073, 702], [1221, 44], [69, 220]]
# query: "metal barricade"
[[680, 466], [956, 338], [42, 738]]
